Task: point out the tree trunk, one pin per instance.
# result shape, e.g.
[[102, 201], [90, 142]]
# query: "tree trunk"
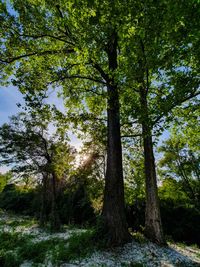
[[153, 225], [55, 220], [113, 207], [43, 211]]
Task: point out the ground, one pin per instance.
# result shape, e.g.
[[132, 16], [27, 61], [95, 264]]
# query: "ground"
[[24, 244]]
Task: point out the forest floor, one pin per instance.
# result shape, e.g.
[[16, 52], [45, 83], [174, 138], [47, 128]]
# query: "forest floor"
[[24, 244]]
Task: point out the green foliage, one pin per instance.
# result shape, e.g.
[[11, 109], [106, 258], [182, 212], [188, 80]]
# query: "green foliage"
[[4, 179], [37, 252], [15, 199], [15, 248], [27, 143], [9, 259], [173, 191], [139, 237], [75, 207], [180, 217], [66, 45], [181, 222], [73, 204], [134, 179], [11, 240], [9, 256], [180, 161]]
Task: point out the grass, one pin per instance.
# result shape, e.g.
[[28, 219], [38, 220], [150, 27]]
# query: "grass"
[[15, 248], [10, 241], [9, 244], [79, 246]]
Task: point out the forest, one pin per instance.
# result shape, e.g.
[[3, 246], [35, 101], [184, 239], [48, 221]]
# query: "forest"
[[121, 78]]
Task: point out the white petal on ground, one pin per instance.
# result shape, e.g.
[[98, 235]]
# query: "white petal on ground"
[[148, 254]]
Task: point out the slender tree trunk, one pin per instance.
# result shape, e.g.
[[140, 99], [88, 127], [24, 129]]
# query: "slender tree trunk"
[[55, 220], [43, 211], [153, 225], [113, 206]]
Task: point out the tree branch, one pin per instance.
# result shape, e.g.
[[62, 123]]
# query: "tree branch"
[[38, 36], [38, 53], [178, 103], [79, 77], [101, 71]]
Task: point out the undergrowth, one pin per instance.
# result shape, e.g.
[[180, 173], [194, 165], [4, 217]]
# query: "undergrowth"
[[16, 248]]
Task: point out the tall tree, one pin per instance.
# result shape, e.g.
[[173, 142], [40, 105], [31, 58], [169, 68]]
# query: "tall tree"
[[109, 46], [163, 76], [69, 44]]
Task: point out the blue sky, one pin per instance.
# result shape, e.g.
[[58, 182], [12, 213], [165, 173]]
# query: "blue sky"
[[10, 96]]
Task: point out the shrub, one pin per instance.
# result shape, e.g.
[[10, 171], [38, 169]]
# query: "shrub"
[[180, 221], [15, 199], [75, 207]]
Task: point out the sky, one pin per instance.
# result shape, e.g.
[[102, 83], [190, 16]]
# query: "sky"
[[10, 96]]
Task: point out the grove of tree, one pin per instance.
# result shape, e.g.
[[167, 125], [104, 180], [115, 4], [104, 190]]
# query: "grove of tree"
[[124, 69]]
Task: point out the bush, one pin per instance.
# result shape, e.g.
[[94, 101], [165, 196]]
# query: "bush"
[[180, 221], [75, 207], [135, 215], [15, 199]]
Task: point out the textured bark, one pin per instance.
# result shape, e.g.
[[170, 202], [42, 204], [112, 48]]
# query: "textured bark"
[[113, 206], [153, 225]]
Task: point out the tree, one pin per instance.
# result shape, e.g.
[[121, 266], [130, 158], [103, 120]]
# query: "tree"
[[163, 76], [180, 159], [99, 49], [70, 43], [27, 144]]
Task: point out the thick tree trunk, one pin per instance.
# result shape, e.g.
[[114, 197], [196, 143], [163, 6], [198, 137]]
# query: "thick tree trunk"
[[43, 211], [55, 220], [113, 206], [153, 225]]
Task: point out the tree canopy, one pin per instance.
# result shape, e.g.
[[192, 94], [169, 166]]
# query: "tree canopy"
[[122, 66]]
